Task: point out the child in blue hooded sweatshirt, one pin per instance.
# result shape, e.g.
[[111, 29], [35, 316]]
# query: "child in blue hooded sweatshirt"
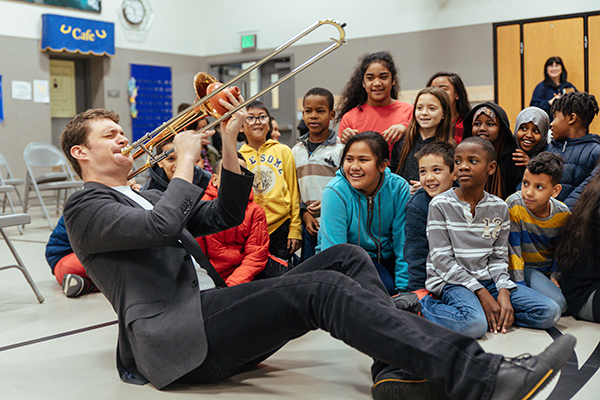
[[573, 113], [364, 205]]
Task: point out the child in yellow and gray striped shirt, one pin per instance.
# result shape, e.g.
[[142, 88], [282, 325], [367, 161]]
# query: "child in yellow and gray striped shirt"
[[536, 222]]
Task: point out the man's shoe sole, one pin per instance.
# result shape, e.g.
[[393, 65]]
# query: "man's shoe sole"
[[567, 342], [394, 389]]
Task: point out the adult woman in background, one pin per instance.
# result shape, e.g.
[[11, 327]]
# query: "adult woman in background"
[[554, 85]]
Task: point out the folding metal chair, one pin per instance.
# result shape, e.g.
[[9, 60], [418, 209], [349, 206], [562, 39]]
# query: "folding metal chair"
[[40, 155], [9, 179], [18, 220]]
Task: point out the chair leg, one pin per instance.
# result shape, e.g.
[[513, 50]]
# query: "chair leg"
[[12, 210], [26, 194], [21, 267], [44, 210], [20, 199]]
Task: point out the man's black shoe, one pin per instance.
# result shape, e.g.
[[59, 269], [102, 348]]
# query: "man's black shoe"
[[396, 384], [520, 378]]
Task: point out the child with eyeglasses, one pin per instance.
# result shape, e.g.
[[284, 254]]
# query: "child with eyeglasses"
[[275, 181]]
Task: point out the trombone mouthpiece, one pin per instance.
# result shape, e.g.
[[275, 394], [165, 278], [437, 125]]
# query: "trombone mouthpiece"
[[126, 151]]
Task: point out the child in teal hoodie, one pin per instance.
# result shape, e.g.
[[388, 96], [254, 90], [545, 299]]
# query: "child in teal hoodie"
[[364, 205]]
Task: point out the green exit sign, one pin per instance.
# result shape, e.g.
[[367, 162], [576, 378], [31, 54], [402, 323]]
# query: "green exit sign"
[[248, 42]]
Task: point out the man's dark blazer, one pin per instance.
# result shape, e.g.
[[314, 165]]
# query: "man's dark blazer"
[[135, 258]]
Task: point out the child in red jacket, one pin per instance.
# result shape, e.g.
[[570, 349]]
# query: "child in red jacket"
[[238, 254]]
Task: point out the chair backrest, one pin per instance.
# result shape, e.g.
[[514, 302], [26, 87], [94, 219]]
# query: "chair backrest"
[[42, 154]]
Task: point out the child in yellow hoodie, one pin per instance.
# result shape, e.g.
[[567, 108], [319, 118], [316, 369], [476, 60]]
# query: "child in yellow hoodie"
[[275, 182]]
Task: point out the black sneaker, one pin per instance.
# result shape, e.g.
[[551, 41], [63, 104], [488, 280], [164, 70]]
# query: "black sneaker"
[[520, 378], [408, 301], [75, 285], [395, 384]]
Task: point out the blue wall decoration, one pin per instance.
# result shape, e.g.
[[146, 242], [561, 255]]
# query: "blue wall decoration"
[[77, 35], [1, 103], [150, 97]]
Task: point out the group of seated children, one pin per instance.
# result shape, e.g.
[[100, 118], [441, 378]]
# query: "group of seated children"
[[435, 224], [477, 264], [462, 262]]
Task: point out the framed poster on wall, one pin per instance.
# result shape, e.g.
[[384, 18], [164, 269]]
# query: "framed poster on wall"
[[62, 89]]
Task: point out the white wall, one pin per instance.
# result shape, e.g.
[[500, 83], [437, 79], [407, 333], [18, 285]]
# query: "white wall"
[[209, 27], [174, 28], [367, 18]]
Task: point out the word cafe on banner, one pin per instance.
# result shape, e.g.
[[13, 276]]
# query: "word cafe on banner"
[[77, 35]]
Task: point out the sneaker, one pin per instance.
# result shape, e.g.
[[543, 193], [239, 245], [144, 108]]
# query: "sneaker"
[[394, 384], [408, 301], [422, 293], [520, 378], [75, 285]]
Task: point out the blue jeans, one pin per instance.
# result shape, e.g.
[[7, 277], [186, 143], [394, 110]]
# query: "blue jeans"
[[460, 310], [536, 280], [309, 242]]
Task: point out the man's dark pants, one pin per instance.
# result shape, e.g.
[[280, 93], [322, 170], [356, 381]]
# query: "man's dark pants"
[[339, 291]]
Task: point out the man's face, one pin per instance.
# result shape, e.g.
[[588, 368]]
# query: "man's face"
[[102, 151]]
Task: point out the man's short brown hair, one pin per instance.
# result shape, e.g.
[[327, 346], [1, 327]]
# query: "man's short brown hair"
[[76, 131]]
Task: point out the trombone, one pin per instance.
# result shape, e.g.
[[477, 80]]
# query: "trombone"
[[204, 107]]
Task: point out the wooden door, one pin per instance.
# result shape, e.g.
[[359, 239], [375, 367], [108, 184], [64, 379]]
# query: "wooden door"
[[594, 65], [542, 40], [508, 40]]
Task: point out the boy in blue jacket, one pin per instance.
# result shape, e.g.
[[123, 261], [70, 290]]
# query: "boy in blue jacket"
[[65, 266], [436, 174], [573, 114]]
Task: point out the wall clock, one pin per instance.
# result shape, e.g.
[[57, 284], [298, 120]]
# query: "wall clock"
[[136, 17], [134, 11]]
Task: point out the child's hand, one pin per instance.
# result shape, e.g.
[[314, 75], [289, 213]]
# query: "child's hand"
[[520, 158], [314, 207], [507, 314], [394, 133], [414, 186], [293, 245], [490, 307], [133, 184], [347, 134], [311, 223], [556, 96]]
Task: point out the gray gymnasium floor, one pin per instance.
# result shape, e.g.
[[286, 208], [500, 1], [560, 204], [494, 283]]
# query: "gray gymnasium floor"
[[65, 348]]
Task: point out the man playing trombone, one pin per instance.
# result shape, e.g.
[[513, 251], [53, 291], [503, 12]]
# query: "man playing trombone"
[[177, 325]]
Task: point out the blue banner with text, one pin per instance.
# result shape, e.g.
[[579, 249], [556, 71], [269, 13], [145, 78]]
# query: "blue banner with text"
[[77, 35]]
